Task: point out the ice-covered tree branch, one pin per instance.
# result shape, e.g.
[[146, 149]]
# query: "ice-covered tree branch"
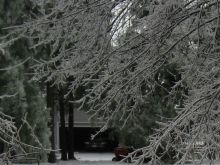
[[115, 49]]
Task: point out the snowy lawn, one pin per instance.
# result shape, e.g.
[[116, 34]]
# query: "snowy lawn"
[[94, 156], [87, 159], [99, 159], [84, 158], [77, 162]]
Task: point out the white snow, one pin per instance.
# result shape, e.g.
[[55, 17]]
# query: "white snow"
[[85, 158], [94, 156]]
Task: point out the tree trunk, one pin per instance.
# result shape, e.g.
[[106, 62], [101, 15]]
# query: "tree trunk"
[[50, 106], [63, 137], [71, 130]]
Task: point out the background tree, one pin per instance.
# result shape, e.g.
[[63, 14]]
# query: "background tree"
[[158, 106], [15, 79]]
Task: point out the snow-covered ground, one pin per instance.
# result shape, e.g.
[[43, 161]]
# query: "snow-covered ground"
[[84, 159], [99, 159], [76, 162], [94, 156], [89, 159]]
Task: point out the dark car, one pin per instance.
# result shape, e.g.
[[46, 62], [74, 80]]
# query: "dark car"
[[95, 145]]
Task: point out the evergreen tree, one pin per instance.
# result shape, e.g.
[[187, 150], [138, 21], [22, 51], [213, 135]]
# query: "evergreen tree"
[[28, 99], [158, 106]]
